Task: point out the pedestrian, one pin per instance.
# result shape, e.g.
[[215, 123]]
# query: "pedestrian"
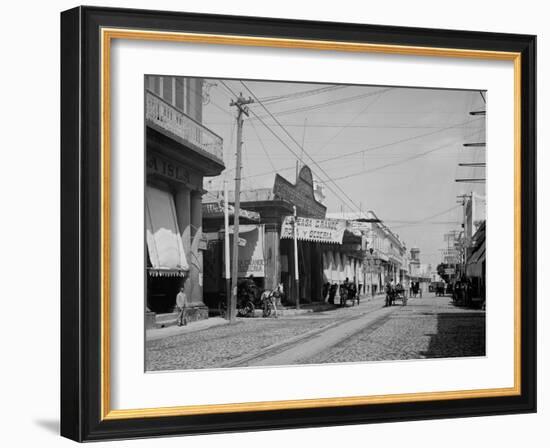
[[332, 293], [389, 292], [181, 305], [326, 290]]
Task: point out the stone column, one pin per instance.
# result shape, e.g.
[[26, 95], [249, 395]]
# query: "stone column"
[[183, 213], [195, 261], [272, 269]]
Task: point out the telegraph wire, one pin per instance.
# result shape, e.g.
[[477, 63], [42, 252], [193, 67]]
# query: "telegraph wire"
[[384, 145], [398, 162], [303, 150], [279, 138]]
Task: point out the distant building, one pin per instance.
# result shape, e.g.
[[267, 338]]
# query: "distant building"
[[385, 256]]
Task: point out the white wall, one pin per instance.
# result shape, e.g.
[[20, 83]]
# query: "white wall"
[[30, 210]]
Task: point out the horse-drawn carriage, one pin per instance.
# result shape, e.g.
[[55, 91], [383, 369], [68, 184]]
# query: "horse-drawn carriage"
[[249, 298], [348, 292], [395, 294]]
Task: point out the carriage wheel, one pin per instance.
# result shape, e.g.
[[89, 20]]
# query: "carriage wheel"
[[267, 308], [248, 309]]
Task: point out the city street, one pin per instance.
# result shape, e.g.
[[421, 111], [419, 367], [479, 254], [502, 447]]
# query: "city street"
[[431, 327]]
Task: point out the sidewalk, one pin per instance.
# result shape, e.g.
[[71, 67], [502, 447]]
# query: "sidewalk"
[[171, 329], [153, 334]]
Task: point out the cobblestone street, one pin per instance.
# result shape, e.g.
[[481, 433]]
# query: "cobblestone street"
[[431, 327]]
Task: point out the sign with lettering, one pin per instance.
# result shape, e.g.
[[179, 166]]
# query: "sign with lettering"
[[311, 229], [251, 250], [300, 194], [166, 168]]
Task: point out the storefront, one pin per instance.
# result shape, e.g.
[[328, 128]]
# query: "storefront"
[[476, 268], [329, 250], [180, 152], [272, 205]]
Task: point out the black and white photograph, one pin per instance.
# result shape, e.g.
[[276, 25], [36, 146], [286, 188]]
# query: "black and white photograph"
[[291, 223]]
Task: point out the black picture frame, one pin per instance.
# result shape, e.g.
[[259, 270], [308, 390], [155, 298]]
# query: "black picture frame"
[[81, 224]]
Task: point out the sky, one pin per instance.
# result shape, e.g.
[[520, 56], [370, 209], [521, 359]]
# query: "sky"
[[393, 150]]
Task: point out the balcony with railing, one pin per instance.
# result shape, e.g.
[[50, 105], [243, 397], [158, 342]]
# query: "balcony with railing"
[[173, 122]]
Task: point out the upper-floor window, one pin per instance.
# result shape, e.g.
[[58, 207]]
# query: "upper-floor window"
[[172, 89]]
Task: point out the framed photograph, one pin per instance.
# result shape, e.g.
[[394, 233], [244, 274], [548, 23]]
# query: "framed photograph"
[[275, 224]]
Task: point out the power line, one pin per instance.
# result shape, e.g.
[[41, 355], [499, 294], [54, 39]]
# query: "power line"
[[343, 128], [399, 162], [263, 147], [301, 94], [277, 136], [327, 104], [303, 150], [384, 145]]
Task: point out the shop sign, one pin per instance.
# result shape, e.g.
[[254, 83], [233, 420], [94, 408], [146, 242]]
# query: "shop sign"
[[166, 168], [301, 194], [251, 250], [311, 229], [203, 243]]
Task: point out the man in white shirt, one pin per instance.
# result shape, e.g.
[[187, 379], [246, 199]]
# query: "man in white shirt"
[[181, 305]]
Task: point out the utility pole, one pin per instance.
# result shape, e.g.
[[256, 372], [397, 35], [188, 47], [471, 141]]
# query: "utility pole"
[[463, 199], [296, 271], [227, 251], [241, 104]]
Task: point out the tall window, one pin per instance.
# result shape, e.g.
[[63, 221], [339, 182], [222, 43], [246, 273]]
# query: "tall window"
[[167, 88], [153, 84], [180, 94]]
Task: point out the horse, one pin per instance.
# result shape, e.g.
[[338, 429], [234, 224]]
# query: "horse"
[[268, 300]]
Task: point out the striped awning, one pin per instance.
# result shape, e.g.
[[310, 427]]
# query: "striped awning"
[[164, 243], [216, 210]]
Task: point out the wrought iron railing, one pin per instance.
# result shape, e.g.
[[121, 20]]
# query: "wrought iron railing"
[[173, 120]]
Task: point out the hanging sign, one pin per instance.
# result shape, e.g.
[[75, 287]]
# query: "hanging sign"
[[311, 229], [251, 250]]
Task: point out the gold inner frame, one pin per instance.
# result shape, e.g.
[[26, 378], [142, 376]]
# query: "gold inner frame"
[[107, 35]]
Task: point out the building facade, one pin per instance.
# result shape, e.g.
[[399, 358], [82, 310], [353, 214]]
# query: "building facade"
[[328, 251], [180, 152]]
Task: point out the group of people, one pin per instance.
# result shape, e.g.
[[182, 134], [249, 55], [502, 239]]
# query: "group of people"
[[415, 289], [393, 291], [347, 290]]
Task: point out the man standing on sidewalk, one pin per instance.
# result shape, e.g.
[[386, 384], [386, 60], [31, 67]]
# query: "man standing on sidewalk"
[[181, 304]]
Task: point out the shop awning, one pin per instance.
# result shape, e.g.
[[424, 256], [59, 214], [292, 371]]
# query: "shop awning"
[[328, 267], [216, 210], [164, 243], [243, 228], [311, 229], [478, 255], [251, 250], [382, 256]]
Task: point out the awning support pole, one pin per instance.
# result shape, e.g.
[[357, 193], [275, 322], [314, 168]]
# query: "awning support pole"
[[227, 252], [296, 271]]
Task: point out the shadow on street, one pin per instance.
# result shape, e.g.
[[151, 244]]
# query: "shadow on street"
[[458, 335]]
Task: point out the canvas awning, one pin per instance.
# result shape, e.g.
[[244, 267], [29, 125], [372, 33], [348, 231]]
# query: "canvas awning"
[[216, 210], [475, 260], [328, 267], [478, 255], [251, 250], [164, 243]]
